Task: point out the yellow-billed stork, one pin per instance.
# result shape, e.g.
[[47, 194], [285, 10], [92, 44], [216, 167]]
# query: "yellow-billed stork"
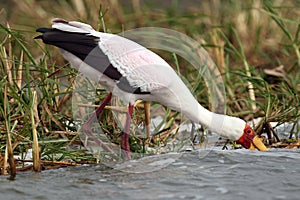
[[132, 72]]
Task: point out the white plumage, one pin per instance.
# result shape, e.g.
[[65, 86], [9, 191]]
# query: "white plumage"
[[136, 73]]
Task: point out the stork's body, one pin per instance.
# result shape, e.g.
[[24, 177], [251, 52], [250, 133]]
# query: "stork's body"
[[132, 72]]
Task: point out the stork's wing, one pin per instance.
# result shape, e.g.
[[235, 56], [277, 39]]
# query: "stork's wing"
[[129, 64], [141, 67]]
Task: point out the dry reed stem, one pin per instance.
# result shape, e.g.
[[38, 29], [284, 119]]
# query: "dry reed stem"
[[20, 70], [35, 152], [251, 93], [11, 160], [136, 4], [8, 150], [147, 118], [56, 91], [219, 51], [80, 8], [7, 67], [113, 108], [46, 108], [117, 11], [64, 99], [8, 59], [4, 172]]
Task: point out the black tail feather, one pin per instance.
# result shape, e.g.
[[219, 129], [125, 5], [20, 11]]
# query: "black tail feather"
[[79, 44], [43, 30]]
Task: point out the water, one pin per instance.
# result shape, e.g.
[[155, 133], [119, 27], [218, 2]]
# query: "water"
[[231, 174]]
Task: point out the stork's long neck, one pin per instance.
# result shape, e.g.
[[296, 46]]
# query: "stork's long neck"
[[227, 126], [199, 114]]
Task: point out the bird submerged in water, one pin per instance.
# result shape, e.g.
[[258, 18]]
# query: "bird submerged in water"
[[132, 72]]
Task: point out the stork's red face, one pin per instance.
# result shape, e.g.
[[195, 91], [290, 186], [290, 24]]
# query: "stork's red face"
[[250, 140]]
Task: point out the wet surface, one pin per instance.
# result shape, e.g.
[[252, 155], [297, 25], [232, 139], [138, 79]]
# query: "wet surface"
[[215, 174]]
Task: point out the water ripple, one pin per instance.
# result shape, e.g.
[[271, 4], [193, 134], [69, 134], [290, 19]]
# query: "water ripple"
[[238, 174]]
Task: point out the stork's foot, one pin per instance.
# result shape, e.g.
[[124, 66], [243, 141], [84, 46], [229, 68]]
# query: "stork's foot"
[[125, 147], [126, 155]]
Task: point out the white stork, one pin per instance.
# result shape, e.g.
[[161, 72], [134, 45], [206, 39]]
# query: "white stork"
[[132, 72]]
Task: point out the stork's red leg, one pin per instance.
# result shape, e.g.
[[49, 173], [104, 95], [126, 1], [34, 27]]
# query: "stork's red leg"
[[125, 137], [87, 125]]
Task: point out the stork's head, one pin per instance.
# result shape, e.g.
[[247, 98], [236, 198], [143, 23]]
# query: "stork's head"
[[238, 130], [250, 140]]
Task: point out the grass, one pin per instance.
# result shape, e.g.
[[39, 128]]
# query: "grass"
[[242, 37]]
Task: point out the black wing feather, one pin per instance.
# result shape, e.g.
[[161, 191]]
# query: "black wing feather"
[[85, 47]]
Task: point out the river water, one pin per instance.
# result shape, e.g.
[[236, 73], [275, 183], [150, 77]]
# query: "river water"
[[204, 174]]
